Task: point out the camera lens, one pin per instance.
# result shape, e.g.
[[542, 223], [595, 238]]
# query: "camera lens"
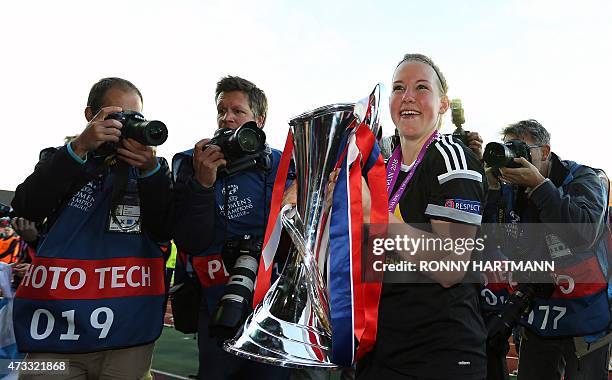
[[156, 132], [497, 155], [235, 304], [248, 140]]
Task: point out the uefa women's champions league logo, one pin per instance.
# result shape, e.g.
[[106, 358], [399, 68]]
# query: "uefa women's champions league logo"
[[229, 190], [85, 198], [237, 204]]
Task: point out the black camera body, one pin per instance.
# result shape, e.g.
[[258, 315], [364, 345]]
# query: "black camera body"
[[519, 303], [502, 155], [461, 134], [135, 126], [242, 256], [236, 143], [242, 148]]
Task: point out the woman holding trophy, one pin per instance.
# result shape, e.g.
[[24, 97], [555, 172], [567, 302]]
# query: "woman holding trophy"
[[430, 326]]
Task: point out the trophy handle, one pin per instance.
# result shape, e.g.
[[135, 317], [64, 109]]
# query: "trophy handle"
[[374, 121], [371, 103]]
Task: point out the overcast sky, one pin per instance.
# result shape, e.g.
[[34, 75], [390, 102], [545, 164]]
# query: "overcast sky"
[[507, 61]]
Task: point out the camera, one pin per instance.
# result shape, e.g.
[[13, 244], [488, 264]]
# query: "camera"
[[237, 143], [135, 126], [519, 303], [500, 155], [242, 255], [242, 147]]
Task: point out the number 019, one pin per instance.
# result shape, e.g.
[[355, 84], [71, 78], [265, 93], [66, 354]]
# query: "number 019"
[[101, 318]]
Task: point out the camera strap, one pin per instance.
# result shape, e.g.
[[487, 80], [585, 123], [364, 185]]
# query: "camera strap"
[[584, 348], [125, 204], [260, 161]]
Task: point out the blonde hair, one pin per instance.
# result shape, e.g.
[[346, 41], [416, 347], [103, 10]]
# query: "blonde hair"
[[415, 57]]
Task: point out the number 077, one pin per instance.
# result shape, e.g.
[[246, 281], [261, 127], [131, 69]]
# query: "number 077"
[[546, 309]]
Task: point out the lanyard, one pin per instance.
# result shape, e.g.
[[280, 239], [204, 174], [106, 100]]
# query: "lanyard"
[[393, 169]]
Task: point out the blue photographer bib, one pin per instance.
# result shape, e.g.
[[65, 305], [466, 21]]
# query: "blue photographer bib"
[[242, 204], [96, 282], [579, 304]]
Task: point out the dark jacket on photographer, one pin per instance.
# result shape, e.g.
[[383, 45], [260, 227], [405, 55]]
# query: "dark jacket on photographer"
[[84, 241], [57, 177], [571, 208]]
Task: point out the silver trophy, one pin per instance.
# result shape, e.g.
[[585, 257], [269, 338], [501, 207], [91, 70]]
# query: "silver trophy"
[[291, 326]]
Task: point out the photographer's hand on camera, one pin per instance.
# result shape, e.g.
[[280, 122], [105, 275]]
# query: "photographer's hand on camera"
[[137, 155], [527, 175], [493, 179], [97, 132], [206, 161], [474, 142]]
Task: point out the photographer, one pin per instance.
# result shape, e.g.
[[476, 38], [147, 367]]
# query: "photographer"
[[528, 183], [94, 292], [223, 189]]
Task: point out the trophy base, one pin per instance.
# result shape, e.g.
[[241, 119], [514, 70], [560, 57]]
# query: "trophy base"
[[272, 340]]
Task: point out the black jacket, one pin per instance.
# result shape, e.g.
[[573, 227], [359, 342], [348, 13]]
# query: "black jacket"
[[195, 210], [58, 176], [583, 204]]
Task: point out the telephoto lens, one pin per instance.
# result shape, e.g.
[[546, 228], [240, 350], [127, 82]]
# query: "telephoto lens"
[[235, 304]]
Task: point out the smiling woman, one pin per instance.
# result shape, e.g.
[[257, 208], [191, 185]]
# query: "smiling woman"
[[418, 96], [431, 327]]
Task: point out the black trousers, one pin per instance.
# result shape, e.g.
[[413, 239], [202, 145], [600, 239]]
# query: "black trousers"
[[550, 359], [497, 366], [369, 369], [216, 364]]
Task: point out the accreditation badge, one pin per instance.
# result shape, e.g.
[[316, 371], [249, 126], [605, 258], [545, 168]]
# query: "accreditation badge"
[[556, 247], [127, 215]]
